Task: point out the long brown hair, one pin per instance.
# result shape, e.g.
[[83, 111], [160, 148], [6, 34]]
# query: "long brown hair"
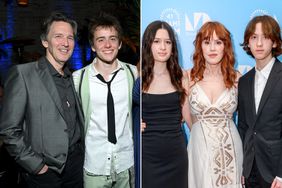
[[228, 60], [271, 30], [173, 67]]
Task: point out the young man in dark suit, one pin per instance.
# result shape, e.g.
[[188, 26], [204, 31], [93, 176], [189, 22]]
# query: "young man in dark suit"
[[260, 105], [41, 120]]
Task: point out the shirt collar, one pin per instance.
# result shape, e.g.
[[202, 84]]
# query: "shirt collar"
[[266, 70], [54, 72], [94, 71]]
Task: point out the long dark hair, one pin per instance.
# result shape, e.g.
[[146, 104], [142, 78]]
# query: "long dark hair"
[[173, 67]]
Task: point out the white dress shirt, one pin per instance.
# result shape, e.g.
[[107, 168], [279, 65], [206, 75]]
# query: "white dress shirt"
[[101, 156], [261, 77]]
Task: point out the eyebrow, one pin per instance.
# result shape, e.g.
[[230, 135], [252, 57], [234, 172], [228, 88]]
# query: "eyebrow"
[[103, 37], [62, 34], [209, 39], [161, 38]]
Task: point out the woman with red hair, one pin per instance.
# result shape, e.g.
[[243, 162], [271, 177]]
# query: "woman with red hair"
[[215, 148]]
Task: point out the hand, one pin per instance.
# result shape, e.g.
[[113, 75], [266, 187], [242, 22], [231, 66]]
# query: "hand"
[[143, 126], [43, 170], [276, 183]]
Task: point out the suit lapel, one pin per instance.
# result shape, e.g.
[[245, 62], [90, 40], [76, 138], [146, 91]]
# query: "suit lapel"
[[270, 84], [49, 84], [252, 92]]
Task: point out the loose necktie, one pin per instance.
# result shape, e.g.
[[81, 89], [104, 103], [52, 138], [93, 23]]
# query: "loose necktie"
[[110, 110]]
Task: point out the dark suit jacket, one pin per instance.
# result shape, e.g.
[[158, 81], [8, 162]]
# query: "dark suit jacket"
[[32, 120], [261, 132]]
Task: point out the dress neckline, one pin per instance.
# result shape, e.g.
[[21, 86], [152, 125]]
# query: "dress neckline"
[[208, 99], [157, 94]]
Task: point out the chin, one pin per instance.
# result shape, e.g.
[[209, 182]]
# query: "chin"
[[260, 57], [108, 61], [214, 62], [64, 58]]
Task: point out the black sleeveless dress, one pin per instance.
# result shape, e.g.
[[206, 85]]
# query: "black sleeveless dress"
[[164, 153]]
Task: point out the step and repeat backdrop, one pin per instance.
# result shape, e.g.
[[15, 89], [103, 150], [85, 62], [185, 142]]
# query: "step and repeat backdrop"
[[187, 16]]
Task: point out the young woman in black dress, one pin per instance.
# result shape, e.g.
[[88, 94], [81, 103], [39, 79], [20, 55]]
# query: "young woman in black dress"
[[164, 153]]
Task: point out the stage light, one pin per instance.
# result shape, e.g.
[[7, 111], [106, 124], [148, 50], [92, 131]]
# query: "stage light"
[[22, 2]]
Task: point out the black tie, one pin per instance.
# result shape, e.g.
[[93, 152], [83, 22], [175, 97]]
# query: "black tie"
[[110, 110]]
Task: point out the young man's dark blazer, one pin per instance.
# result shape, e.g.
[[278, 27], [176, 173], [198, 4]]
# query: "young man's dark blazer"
[[32, 120], [261, 132]]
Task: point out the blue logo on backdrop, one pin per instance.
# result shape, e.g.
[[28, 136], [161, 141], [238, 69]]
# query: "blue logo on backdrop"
[[258, 12], [199, 18], [172, 17]]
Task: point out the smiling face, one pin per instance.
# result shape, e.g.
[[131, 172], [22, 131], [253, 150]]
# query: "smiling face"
[[161, 46], [59, 42], [260, 45], [106, 44], [213, 49]]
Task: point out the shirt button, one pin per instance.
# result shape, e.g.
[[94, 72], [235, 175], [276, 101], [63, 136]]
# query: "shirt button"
[[255, 133], [109, 158]]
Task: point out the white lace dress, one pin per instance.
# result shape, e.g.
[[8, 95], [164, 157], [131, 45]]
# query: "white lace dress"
[[215, 148]]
